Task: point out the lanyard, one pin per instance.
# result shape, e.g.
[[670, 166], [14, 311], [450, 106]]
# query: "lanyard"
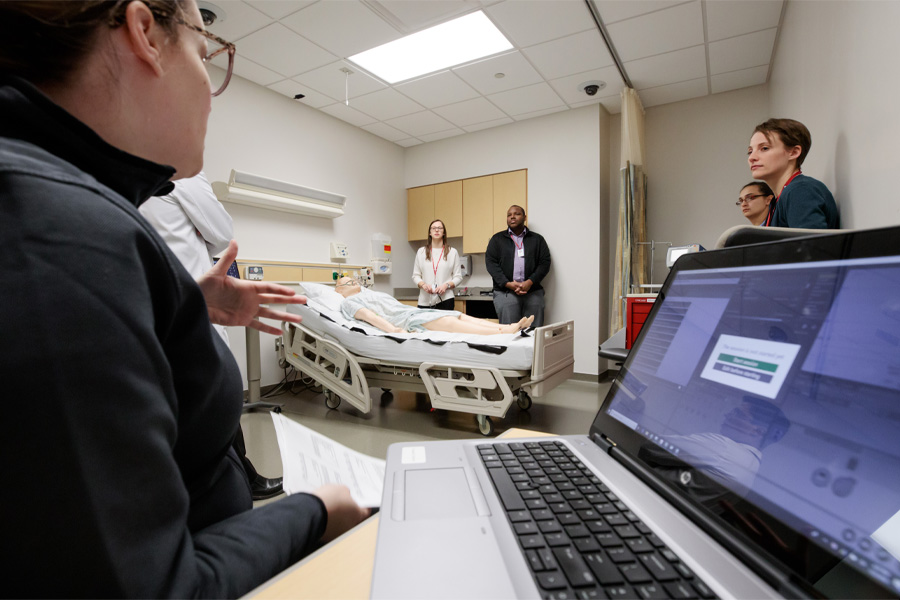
[[772, 210], [513, 238], [435, 265]]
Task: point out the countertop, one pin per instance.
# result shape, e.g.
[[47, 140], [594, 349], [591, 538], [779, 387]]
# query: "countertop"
[[473, 294]]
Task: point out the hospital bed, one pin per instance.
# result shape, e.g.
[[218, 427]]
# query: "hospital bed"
[[481, 375]]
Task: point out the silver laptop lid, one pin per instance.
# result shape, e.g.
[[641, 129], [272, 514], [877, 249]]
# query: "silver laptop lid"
[[765, 396]]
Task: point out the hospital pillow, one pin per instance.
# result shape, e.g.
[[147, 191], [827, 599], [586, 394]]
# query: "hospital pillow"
[[324, 294]]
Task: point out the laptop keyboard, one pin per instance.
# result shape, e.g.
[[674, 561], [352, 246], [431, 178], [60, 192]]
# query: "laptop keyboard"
[[578, 538]]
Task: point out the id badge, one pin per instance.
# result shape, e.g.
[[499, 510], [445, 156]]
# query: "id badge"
[[521, 252]]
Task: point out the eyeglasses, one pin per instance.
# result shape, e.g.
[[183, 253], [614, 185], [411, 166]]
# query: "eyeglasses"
[[748, 198], [217, 46], [437, 228], [346, 283]]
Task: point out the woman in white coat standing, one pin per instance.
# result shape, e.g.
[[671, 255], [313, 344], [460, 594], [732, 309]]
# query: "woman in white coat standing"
[[437, 271]]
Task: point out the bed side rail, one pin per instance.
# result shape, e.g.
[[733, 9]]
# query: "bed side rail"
[[328, 363], [554, 357], [477, 390]]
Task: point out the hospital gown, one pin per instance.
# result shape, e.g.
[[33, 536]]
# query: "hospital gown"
[[408, 318]]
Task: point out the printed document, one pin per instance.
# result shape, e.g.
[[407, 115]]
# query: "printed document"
[[311, 460]]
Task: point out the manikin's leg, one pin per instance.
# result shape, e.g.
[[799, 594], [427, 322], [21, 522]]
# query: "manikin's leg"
[[473, 325]]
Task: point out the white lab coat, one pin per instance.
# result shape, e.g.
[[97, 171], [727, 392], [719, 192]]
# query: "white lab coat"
[[193, 223]]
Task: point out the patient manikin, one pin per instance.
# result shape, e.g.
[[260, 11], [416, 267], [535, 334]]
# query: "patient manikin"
[[389, 315]]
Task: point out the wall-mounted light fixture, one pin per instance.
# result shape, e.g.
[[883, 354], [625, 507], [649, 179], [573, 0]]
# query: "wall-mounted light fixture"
[[262, 192]]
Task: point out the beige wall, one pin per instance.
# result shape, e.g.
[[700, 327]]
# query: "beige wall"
[[696, 163], [567, 194], [837, 69], [259, 131]]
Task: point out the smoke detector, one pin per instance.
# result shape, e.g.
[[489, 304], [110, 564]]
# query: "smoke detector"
[[210, 13]]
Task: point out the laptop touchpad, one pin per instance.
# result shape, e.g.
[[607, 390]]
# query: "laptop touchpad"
[[438, 493]]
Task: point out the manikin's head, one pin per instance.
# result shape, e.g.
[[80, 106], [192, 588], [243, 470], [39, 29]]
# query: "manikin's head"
[[347, 286]]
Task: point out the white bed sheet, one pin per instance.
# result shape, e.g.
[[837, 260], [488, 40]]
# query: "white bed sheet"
[[416, 348]]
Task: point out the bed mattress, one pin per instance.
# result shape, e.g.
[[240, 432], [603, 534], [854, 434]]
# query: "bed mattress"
[[323, 316]]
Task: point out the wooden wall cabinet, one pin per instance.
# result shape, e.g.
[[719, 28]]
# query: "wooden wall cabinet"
[[420, 211], [473, 208]]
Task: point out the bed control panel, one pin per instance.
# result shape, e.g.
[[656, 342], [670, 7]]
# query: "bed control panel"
[[253, 273]]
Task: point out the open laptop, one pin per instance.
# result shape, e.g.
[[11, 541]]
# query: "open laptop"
[[749, 447]]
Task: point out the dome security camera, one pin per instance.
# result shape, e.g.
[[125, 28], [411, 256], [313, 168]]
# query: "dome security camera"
[[592, 87], [210, 13]]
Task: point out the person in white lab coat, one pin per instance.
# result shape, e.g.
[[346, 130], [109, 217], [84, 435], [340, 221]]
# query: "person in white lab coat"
[[436, 270], [196, 227]]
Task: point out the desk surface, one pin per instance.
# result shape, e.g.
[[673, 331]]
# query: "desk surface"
[[343, 568]]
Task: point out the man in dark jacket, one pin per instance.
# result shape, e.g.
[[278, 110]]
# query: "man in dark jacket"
[[518, 259]]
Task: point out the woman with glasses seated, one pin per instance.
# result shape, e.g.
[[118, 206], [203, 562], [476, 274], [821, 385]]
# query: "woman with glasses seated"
[[390, 315], [755, 201], [436, 270], [124, 482]]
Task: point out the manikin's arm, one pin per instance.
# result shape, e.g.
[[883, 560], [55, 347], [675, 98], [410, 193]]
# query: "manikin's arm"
[[364, 314]]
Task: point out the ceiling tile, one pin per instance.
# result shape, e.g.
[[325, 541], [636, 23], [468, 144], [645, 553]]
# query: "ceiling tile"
[[469, 112], [739, 79], [236, 19], [409, 16], [385, 131], [385, 104], [408, 142], [535, 21], [437, 90], [673, 29], [342, 28], [283, 51], [612, 11], [279, 8], [572, 54], [420, 124], [488, 124], [570, 91], [742, 52], [249, 70], [440, 135], [527, 100], [290, 88], [737, 17], [333, 82], [663, 69], [517, 72], [675, 92], [539, 113], [348, 113]]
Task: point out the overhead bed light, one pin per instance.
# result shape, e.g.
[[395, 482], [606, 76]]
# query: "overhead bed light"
[[443, 46], [262, 192]]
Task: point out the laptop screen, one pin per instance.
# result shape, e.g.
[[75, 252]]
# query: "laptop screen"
[[770, 395]]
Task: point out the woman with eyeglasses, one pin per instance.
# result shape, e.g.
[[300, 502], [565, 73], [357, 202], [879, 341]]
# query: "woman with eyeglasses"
[[755, 201], [122, 402], [436, 270]]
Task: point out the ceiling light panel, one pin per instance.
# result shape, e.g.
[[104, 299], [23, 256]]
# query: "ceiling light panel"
[[446, 45]]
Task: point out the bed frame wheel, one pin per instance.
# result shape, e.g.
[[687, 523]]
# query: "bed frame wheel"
[[523, 400], [386, 395], [332, 400], [485, 425]]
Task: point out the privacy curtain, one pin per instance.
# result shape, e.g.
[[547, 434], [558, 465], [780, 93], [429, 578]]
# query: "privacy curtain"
[[631, 266]]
